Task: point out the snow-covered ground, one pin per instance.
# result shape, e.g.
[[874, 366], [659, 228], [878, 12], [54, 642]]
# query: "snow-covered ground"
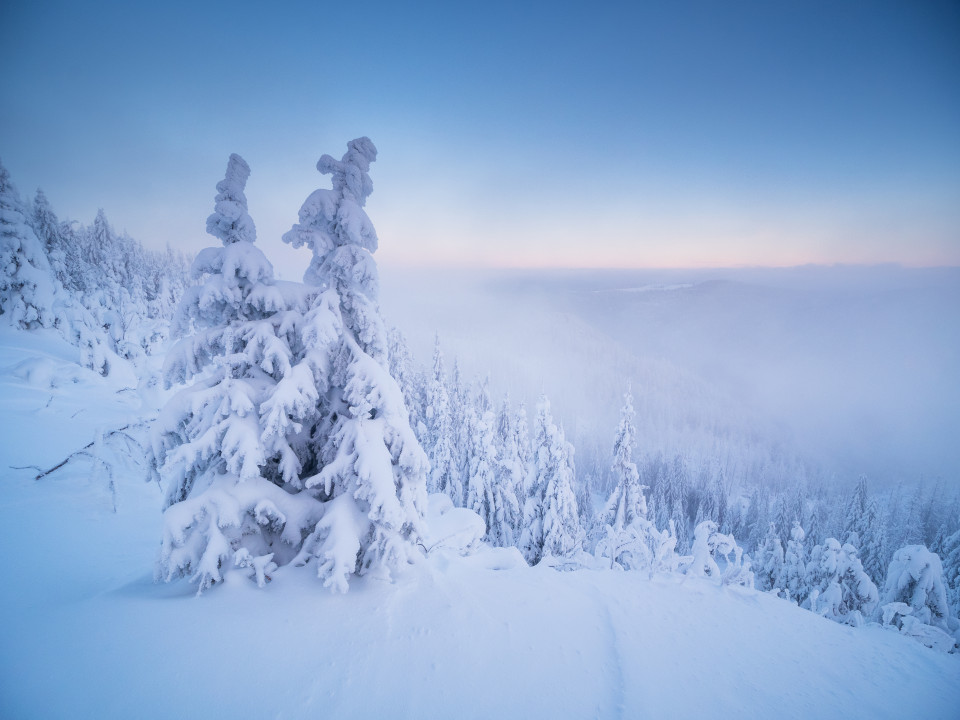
[[88, 634]]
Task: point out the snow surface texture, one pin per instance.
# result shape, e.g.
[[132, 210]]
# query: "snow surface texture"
[[89, 634]]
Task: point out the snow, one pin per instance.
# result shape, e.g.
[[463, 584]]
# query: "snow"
[[88, 632]]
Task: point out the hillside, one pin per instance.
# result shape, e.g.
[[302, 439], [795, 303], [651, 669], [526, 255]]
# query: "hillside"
[[89, 634]]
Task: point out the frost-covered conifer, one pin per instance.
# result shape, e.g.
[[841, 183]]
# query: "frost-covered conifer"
[[839, 588], [225, 443], [627, 502], [409, 380], [873, 545], [718, 556], [795, 566], [510, 471], [483, 460], [720, 500], [915, 577], [49, 231], [629, 538], [915, 600], [444, 472], [660, 502], [371, 470], [26, 279], [854, 517], [951, 570], [769, 565], [521, 434], [677, 500], [551, 523], [461, 429]]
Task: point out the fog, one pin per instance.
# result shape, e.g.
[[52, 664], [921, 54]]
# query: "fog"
[[835, 371]]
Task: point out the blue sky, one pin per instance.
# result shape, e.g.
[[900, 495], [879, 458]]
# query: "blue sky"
[[510, 134]]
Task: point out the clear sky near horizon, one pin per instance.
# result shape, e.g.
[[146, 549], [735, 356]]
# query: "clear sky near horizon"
[[510, 134]]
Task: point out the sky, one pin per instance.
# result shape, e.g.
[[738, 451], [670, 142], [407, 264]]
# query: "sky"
[[555, 134]]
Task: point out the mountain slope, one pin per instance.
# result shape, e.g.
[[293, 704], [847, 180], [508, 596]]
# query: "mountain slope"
[[88, 633]]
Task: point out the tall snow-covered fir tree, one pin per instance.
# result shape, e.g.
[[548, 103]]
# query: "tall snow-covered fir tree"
[[488, 494], [26, 279], [511, 471], [839, 588], [409, 380], [627, 502], [224, 445], [444, 472], [550, 519], [769, 566], [795, 566], [371, 470]]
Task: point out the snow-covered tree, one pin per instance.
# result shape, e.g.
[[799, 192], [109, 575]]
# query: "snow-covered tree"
[[460, 430], [627, 502], [510, 472], [626, 530], [951, 570], [444, 471], [370, 464], [795, 566], [839, 588], [485, 494], [521, 435], [873, 545], [677, 483], [224, 444], [718, 556], [49, 231], [915, 577], [551, 523], [915, 598], [409, 380], [294, 445], [769, 565], [26, 279]]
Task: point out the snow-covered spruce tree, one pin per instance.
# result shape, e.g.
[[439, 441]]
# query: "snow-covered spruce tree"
[[551, 524], [915, 594], [769, 565], [718, 556], [627, 505], [510, 471], [677, 487], [951, 570], [47, 226], [873, 542], [371, 470], [521, 434], [795, 566], [409, 380], [629, 539], [487, 493], [224, 445], [839, 588], [26, 279], [461, 430], [444, 477], [855, 512], [627, 502]]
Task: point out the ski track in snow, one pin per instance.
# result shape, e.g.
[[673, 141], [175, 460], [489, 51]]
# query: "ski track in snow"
[[614, 654]]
